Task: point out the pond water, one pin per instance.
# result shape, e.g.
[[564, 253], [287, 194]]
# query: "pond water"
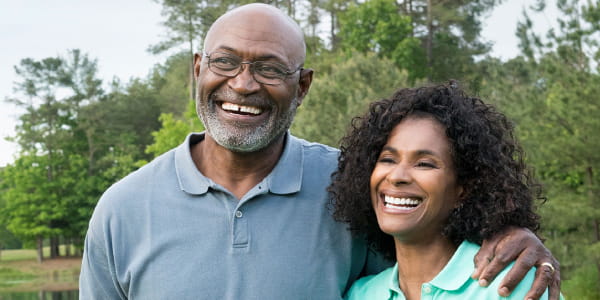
[[41, 295]]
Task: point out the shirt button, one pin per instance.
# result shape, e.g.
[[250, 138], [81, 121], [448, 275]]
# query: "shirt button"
[[426, 289], [238, 214]]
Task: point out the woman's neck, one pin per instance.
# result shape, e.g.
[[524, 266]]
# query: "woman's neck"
[[421, 262]]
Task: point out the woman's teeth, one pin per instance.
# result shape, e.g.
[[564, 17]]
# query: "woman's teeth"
[[241, 108], [401, 203]]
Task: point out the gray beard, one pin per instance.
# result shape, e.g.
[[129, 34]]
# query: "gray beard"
[[247, 139]]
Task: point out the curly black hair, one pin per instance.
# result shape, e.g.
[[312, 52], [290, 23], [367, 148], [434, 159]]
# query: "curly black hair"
[[499, 190]]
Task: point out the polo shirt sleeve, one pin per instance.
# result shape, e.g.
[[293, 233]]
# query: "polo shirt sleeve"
[[97, 279]]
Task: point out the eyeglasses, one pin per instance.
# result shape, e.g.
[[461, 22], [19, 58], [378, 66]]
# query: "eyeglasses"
[[265, 72]]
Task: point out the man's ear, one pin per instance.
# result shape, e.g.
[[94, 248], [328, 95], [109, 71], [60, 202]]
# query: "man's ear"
[[197, 61], [304, 82]]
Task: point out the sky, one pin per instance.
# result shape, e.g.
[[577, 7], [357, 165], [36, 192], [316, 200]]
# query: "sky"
[[118, 32]]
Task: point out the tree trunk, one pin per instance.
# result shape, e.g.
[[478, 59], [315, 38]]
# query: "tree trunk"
[[68, 247], [54, 247], [191, 37], [40, 249], [332, 28], [429, 45], [589, 174]]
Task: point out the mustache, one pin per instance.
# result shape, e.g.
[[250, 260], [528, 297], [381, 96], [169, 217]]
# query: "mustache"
[[227, 95]]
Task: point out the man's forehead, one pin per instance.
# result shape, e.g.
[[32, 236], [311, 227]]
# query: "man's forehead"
[[256, 26]]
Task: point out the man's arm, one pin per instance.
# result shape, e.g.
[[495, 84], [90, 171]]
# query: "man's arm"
[[97, 279], [526, 249]]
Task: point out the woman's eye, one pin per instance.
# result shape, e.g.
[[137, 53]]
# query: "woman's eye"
[[385, 160], [425, 164]]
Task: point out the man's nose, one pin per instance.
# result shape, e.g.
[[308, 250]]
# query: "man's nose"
[[244, 82]]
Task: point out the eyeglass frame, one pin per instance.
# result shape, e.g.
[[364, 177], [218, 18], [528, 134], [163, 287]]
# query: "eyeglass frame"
[[286, 74]]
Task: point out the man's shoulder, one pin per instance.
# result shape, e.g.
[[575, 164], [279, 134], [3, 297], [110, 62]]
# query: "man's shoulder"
[[317, 158], [155, 172], [316, 148]]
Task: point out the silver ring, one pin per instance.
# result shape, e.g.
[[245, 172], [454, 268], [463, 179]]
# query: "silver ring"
[[550, 266]]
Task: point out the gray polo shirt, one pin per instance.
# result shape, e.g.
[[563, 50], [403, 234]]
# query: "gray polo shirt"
[[167, 232]]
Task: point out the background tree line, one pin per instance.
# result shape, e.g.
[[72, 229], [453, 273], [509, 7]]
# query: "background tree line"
[[78, 135]]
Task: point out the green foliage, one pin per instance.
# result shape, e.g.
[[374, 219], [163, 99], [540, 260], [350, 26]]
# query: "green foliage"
[[187, 21], [376, 26], [173, 131], [75, 142], [553, 95], [584, 284], [343, 92], [169, 82], [31, 199], [434, 39]]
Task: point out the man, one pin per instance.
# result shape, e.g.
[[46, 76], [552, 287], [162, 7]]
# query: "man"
[[239, 212]]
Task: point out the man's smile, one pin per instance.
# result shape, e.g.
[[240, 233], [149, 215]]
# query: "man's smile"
[[242, 109]]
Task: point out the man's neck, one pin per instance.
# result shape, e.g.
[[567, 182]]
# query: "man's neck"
[[238, 172]]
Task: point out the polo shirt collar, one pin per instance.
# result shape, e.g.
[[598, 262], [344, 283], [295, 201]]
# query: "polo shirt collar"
[[453, 276], [285, 178], [459, 269], [394, 284], [190, 178]]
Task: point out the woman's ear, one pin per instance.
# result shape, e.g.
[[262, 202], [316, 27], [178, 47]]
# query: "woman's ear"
[[460, 196]]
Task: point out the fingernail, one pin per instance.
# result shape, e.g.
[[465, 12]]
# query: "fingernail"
[[483, 282], [503, 291]]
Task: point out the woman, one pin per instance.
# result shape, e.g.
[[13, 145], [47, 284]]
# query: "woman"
[[425, 176]]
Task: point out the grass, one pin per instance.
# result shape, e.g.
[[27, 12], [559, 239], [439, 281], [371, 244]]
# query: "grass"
[[20, 272], [15, 255]]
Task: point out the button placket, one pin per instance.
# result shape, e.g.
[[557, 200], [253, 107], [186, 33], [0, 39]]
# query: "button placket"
[[240, 230]]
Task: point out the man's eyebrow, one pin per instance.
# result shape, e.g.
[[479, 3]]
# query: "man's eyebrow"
[[261, 57]]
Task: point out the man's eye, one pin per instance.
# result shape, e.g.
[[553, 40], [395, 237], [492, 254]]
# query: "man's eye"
[[269, 70], [225, 63]]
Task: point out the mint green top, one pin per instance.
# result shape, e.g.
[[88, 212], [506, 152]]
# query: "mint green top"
[[453, 282]]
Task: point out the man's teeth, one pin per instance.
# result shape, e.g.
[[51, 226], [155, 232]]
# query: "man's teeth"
[[241, 108], [401, 203]]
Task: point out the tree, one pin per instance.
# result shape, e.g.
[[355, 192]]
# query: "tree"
[[376, 26], [342, 93], [173, 131], [187, 22], [47, 134], [552, 92], [448, 34]]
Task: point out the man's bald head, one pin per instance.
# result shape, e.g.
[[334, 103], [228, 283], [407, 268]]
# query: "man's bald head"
[[258, 21]]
